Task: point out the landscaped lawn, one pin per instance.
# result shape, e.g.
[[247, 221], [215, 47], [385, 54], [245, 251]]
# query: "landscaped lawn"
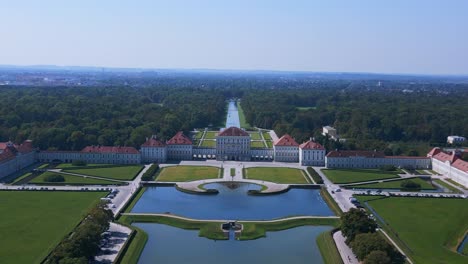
[[357, 175], [187, 173], [266, 136], [255, 135], [430, 227], [269, 144], [278, 175], [124, 172], [21, 177], [211, 135], [242, 120], [257, 144], [69, 179], [198, 134], [33, 223], [448, 186], [69, 165], [208, 143], [394, 185]]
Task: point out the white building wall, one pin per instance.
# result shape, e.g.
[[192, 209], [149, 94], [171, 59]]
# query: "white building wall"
[[179, 152], [233, 148], [154, 154], [447, 170], [286, 153], [312, 157], [104, 158], [372, 163]]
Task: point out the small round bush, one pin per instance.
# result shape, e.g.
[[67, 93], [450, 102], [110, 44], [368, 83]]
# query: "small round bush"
[[54, 178]]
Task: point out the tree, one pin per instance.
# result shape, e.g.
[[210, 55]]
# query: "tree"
[[363, 244], [355, 222], [410, 185], [377, 257], [54, 178]]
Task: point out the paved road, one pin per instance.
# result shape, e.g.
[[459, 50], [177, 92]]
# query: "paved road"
[[346, 253]]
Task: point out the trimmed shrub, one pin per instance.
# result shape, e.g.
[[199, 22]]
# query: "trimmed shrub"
[[79, 163], [388, 168], [315, 175], [54, 178], [410, 185], [150, 173]]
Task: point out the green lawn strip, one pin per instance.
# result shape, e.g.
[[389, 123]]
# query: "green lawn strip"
[[22, 177], [425, 185], [211, 230], [69, 179], [328, 250], [71, 166], [242, 120], [211, 135], [131, 203], [198, 134], [277, 175], [266, 136], [448, 186], [208, 143], [134, 247], [43, 166], [433, 172], [187, 173], [233, 172], [357, 175], [255, 136], [255, 230], [456, 183], [269, 144], [420, 172], [306, 108], [432, 228], [330, 201], [125, 172], [33, 223], [257, 144]]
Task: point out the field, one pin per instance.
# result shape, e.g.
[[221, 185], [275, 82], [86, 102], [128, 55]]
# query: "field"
[[266, 136], [269, 144], [255, 135], [242, 120], [126, 172], [394, 185], [210, 134], [69, 179], [430, 228], [33, 223], [198, 135], [208, 143], [187, 173], [257, 144], [277, 175], [357, 175]]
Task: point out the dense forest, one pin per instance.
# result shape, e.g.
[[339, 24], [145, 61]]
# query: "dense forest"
[[401, 117]]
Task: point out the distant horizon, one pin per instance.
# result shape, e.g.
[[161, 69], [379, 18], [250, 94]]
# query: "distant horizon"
[[123, 69], [400, 37]]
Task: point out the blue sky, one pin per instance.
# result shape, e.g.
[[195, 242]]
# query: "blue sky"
[[398, 36]]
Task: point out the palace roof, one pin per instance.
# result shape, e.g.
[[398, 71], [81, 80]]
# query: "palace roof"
[[179, 139], [153, 142], [311, 145], [233, 132], [26, 147], [434, 152], [109, 149], [286, 140], [461, 165], [443, 156]]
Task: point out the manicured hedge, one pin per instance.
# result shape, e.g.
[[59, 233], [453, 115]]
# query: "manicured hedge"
[[315, 175], [150, 173]]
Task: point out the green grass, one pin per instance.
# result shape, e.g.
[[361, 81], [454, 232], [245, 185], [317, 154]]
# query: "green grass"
[[233, 172], [448, 186], [33, 223], [43, 166], [211, 135], [187, 173], [328, 249], [456, 183], [254, 230], [198, 134], [69, 179], [430, 227], [257, 144], [269, 144], [330, 201], [357, 175], [277, 175], [394, 185], [266, 136], [134, 247], [255, 136], [208, 143], [21, 177], [243, 122], [71, 166], [124, 172]]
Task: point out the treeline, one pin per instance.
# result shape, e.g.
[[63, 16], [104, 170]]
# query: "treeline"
[[368, 119], [71, 118], [368, 245], [84, 243]]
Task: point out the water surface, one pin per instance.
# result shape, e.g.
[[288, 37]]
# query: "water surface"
[[168, 244], [232, 204], [232, 117]]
